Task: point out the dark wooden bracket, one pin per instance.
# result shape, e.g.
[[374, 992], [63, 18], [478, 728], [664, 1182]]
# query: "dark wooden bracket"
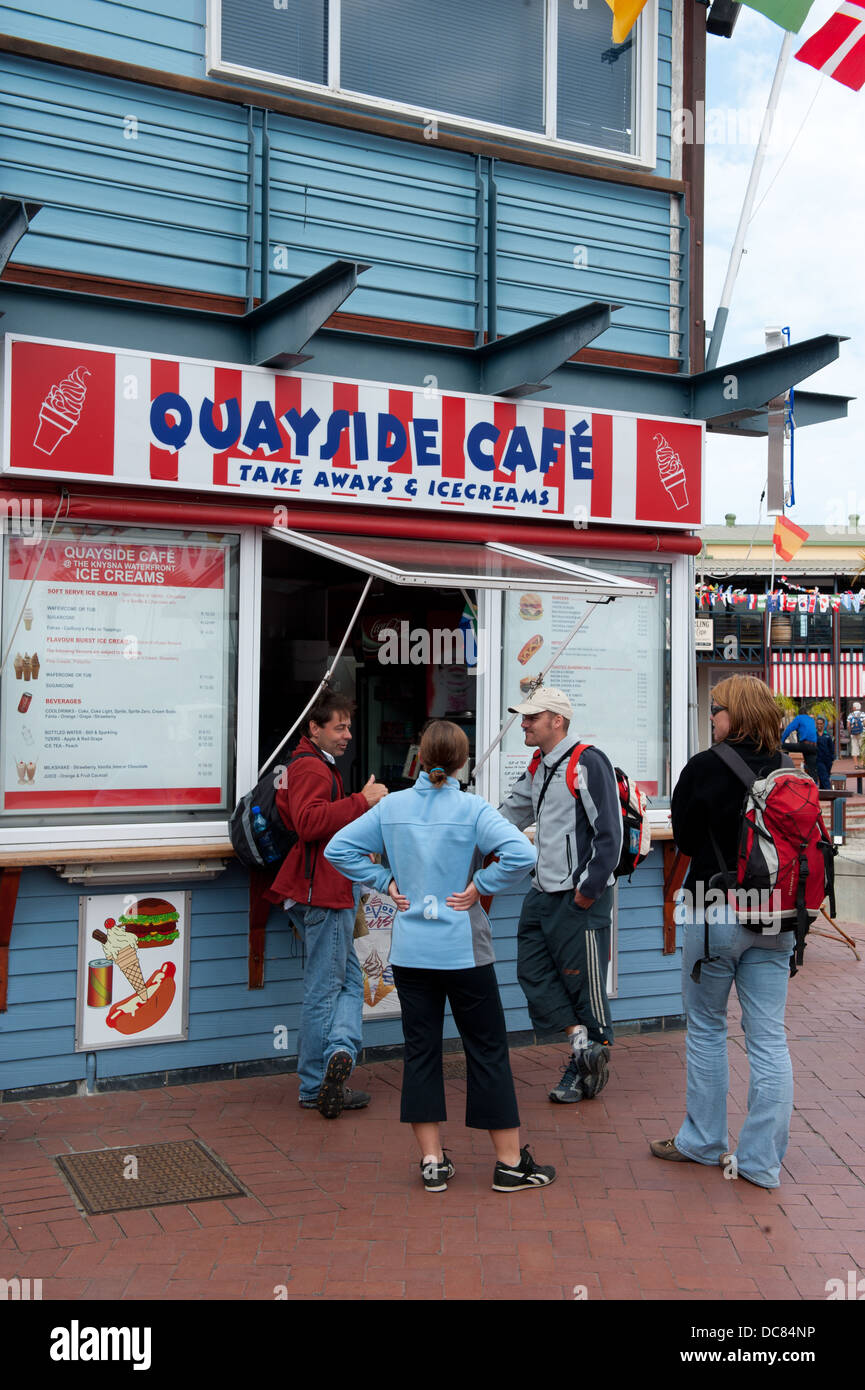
[[675, 869], [9, 881], [259, 911]]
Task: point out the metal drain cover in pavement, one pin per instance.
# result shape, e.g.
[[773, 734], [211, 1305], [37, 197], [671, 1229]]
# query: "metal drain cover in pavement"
[[147, 1175]]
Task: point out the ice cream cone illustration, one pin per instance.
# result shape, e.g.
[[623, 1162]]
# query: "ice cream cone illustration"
[[671, 472], [26, 667], [28, 618], [60, 412], [121, 947], [18, 663], [34, 666]]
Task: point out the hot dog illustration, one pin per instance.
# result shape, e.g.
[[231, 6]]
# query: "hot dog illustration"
[[530, 648], [133, 1014]]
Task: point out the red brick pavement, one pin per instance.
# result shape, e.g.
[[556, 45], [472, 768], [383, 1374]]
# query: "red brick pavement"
[[336, 1210]]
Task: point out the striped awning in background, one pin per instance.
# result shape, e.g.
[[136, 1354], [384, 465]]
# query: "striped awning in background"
[[852, 674], [802, 674]]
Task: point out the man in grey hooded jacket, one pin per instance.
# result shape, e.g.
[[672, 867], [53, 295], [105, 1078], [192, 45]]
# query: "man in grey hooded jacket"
[[563, 941]]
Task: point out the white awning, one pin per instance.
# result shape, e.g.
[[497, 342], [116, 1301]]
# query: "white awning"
[[458, 565]]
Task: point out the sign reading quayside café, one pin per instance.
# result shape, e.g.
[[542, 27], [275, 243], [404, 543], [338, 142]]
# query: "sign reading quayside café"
[[77, 411]]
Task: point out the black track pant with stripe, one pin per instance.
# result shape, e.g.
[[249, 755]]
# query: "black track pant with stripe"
[[562, 954]]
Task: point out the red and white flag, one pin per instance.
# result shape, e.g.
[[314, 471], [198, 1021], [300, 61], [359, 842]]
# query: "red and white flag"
[[838, 49]]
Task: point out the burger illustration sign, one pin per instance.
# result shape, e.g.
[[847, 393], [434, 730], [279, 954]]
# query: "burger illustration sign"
[[124, 995]]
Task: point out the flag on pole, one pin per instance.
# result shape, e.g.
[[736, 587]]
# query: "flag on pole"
[[790, 14], [625, 15], [787, 537], [838, 49]]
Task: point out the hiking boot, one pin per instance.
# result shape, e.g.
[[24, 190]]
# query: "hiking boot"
[[331, 1096], [436, 1176], [666, 1148], [570, 1088], [593, 1066], [526, 1174]]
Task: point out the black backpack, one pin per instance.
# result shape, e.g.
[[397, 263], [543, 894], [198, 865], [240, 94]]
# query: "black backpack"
[[263, 795]]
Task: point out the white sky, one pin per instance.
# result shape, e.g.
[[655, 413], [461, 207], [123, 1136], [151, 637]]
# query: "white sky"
[[803, 266]]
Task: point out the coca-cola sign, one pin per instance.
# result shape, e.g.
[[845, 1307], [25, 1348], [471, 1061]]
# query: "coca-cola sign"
[[87, 412]]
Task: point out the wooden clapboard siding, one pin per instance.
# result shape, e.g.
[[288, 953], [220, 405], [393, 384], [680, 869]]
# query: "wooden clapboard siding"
[[228, 1023]]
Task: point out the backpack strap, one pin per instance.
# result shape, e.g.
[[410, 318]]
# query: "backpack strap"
[[549, 777]]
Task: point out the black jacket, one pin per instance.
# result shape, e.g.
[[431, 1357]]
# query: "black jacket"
[[709, 794]]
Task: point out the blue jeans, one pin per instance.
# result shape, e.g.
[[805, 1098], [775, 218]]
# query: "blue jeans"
[[332, 1013], [760, 966]]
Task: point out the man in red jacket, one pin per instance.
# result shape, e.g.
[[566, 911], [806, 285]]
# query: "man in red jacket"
[[321, 902]]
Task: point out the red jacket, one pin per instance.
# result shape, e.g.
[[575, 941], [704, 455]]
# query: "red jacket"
[[306, 807]]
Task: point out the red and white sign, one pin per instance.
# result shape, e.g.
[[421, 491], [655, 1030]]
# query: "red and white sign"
[[115, 692], [75, 411]]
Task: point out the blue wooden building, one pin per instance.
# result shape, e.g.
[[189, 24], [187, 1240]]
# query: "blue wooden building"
[[467, 240]]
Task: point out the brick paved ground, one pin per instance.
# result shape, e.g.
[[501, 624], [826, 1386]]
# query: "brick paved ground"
[[336, 1210]]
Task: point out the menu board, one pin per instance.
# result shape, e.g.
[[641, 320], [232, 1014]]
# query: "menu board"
[[613, 672], [114, 694]]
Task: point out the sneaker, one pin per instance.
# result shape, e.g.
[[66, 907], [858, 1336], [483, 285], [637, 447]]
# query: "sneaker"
[[526, 1174], [570, 1088], [331, 1096], [594, 1069], [666, 1148], [351, 1100], [436, 1176]]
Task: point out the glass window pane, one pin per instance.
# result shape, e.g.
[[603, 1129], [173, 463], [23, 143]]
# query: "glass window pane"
[[290, 39], [119, 697], [595, 83], [616, 673], [483, 60]]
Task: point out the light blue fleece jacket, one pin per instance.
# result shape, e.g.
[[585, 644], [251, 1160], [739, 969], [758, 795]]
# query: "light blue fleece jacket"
[[429, 835]]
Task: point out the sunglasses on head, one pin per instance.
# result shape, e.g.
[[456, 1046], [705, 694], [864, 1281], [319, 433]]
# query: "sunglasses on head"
[[717, 709]]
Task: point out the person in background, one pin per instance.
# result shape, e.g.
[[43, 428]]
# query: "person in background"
[[563, 936], [707, 802], [856, 730], [825, 754], [442, 951], [322, 907], [805, 729]]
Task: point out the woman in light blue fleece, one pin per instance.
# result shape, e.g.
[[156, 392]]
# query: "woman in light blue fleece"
[[441, 949]]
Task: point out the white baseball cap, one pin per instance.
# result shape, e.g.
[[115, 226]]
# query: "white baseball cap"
[[546, 699], [856, 704]]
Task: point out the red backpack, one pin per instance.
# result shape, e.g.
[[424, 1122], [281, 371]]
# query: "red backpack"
[[636, 834], [785, 857]]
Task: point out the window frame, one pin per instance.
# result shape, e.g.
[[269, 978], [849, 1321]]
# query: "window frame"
[[132, 835], [645, 68]]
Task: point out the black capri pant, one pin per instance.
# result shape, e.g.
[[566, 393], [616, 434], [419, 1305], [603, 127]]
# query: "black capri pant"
[[473, 995]]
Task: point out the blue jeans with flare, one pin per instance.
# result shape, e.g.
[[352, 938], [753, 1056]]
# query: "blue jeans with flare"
[[760, 967]]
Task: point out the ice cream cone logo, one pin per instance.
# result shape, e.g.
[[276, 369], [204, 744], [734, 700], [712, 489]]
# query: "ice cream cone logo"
[[60, 411], [671, 472]]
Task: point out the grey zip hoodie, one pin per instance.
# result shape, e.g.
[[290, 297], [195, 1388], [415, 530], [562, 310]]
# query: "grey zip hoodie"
[[578, 839]]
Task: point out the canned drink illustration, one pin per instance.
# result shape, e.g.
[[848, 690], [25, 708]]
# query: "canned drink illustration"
[[99, 983], [24, 703]]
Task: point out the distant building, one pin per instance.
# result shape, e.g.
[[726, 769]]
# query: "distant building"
[[814, 654]]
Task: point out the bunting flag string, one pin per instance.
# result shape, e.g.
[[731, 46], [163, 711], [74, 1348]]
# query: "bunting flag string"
[[779, 600]]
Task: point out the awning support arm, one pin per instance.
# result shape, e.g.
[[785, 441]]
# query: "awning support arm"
[[323, 682], [540, 679]]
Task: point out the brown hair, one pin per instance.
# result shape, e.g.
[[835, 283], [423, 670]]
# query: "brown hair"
[[328, 703], [443, 748], [752, 710]]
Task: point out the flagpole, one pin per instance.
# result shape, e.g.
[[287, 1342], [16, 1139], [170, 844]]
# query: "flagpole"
[[738, 250]]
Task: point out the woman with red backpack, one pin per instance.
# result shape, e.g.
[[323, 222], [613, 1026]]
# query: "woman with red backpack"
[[706, 810]]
